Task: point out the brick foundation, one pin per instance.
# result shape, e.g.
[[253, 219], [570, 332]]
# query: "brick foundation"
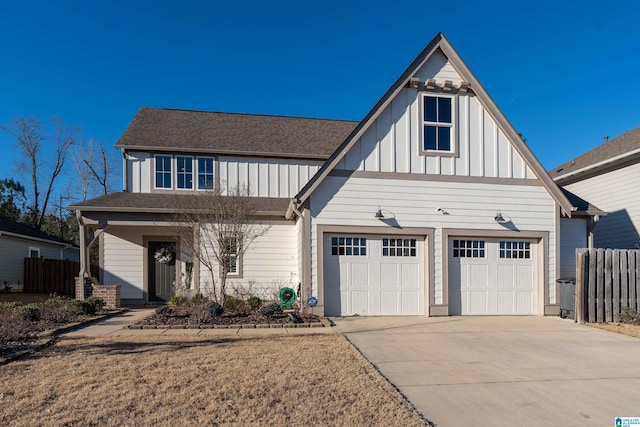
[[110, 294], [86, 288]]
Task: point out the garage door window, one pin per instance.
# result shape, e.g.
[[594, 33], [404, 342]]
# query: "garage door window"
[[511, 249], [399, 247], [349, 246], [468, 249]]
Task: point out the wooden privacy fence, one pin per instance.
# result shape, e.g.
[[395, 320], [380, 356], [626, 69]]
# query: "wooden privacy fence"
[[607, 281], [49, 276]]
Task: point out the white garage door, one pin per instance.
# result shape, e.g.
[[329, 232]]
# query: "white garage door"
[[492, 276], [373, 275]]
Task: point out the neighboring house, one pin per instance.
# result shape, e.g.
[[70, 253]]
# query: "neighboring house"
[[431, 205], [19, 241], [608, 177]]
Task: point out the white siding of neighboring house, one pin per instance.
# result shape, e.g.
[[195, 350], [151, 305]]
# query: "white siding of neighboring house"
[[613, 192], [14, 250], [391, 144], [264, 177], [573, 235], [354, 201]]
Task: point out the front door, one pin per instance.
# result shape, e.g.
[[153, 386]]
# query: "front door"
[[162, 270]]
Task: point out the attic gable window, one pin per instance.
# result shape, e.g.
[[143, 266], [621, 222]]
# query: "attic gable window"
[[438, 125]]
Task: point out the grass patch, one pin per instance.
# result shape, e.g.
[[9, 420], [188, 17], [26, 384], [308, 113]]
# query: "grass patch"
[[185, 381]]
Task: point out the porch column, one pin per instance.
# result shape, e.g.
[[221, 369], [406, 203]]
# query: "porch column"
[[84, 256]]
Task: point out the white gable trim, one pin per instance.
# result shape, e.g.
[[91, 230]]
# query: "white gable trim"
[[439, 42]]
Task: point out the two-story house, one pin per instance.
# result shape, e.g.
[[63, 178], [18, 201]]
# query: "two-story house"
[[607, 176], [431, 205]]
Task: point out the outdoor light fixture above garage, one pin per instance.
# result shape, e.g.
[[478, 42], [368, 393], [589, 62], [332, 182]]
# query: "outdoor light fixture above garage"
[[501, 218]]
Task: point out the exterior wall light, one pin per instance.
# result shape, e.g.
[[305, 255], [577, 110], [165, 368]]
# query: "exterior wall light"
[[500, 218]]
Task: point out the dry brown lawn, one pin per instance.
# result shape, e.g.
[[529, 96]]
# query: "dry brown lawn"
[[620, 328], [300, 380]]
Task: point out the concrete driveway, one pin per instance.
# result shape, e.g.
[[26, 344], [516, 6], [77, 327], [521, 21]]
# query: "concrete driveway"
[[503, 371]]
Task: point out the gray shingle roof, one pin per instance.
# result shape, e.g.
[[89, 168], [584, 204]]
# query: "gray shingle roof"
[[164, 203], [620, 145], [234, 133], [582, 205], [24, 230]]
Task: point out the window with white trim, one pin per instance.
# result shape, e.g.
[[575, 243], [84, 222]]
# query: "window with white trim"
[[515, 249], [205, 173], [164, 176], [437, 124], [399, 247], [349, 246], [468, 248], [184, 170], [34, 252], [231, 256]]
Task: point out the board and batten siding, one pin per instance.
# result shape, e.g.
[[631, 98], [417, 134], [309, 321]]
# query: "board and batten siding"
[[265, 177], [573, 235], [613, 192], [415, 203], [392, 142]]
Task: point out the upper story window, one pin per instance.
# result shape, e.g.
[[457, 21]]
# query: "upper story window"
[[163, 172], [205, 173], [437, 124], [185, 172]]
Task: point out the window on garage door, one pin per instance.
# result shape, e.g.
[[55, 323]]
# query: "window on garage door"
[[468, 248], [399, 247], [515, 249], [349, 246]]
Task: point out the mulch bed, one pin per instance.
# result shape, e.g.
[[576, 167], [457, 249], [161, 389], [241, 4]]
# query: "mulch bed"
[[42, 333], [190, 317]]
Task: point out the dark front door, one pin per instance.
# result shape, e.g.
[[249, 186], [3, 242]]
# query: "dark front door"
[[162, 270]]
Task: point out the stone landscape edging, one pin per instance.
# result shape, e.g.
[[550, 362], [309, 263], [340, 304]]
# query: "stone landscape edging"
[[323, 323]]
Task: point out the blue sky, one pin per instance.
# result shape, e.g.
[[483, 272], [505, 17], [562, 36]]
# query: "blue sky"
[[563, 72]]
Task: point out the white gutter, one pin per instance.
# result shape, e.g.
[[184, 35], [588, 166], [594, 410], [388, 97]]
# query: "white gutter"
[[596, 165]]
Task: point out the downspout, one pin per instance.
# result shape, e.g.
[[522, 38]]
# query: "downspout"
[[592, 225], [293, 209]]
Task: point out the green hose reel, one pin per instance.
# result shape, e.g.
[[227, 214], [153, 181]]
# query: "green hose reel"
[[287, 297]]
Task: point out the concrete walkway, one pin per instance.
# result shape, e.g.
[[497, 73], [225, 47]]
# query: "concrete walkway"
[[504, 371], [117, 326]]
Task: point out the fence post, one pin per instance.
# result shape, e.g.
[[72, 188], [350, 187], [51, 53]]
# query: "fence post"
[[600, 286], [580, 264], [617, 255], [634, 289], [593, 261], [608, 288]]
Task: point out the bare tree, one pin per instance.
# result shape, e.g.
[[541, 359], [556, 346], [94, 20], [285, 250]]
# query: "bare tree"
[[218, 229], [93, 166], [30, 137]]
